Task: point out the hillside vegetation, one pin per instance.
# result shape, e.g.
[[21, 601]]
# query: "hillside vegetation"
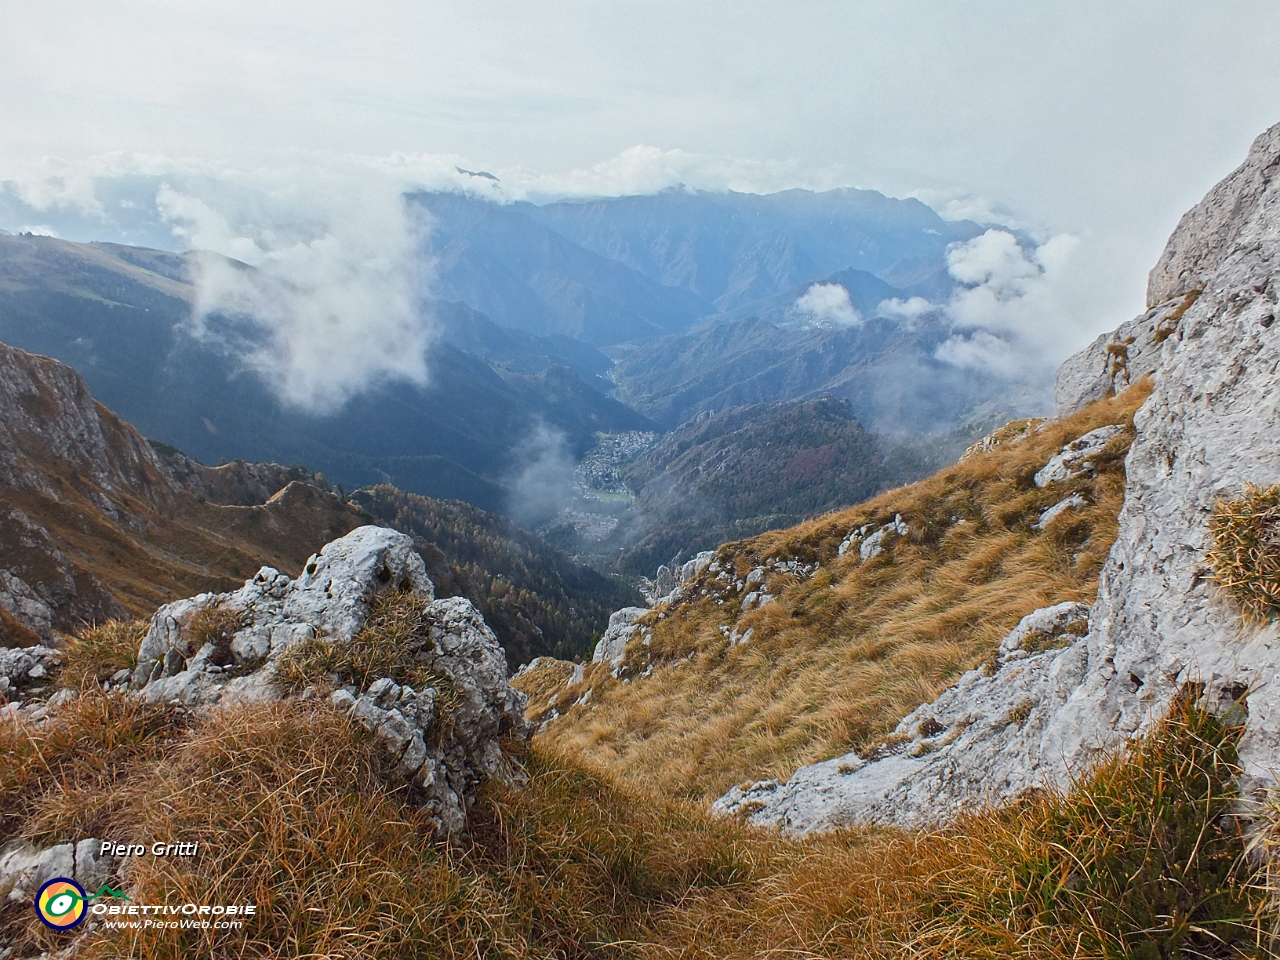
[[1140, 860], [784, 652], [739, 472]]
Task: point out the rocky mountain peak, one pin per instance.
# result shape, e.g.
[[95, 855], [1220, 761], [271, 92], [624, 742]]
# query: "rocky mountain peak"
[[1209, 233]]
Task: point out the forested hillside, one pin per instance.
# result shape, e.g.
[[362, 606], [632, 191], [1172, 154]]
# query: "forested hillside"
[[736, 473]]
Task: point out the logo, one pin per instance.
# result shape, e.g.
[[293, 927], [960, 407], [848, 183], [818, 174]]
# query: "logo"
[[61, 902]]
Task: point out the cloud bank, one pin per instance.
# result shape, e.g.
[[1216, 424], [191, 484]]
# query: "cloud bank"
[[1017, 309]]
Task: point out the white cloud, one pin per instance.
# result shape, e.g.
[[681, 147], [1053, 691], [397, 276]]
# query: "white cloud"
[[908, 311], [1016, 309], [827, 304], [983, 350], [545, 481], [336, 311], [204, 228]]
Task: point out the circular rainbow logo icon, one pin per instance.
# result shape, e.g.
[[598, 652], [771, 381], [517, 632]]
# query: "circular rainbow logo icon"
[[61, 903]]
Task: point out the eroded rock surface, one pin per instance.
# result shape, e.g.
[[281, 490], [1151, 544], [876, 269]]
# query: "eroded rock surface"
[[1074, 459], [445, 737], [612, 647], [1209, 428], [25, 868]]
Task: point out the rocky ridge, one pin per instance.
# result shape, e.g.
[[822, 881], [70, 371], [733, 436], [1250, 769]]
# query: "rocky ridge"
[[96, 524], [1158, 625]]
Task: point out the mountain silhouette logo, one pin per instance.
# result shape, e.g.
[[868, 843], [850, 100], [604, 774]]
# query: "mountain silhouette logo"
[[61, 902]]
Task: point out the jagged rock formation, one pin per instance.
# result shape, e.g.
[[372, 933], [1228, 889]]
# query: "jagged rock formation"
[[1158, 624], [444, 738], [666, 582], [612, 647], [1074, 460], [1115, 360], [24, 668]]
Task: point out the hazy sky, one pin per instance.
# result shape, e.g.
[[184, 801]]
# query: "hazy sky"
[[1101, 119]]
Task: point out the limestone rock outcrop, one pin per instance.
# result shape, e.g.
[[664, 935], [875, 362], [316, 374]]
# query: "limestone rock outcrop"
[[24, 867], [1158, 625], [1073, 460], [445, 737], [612, 647], [667, 582], [25, 667]]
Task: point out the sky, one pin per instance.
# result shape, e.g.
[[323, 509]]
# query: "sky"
[[1100, 122]]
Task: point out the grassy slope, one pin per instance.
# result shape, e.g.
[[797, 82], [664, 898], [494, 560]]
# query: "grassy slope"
[[839, 657], [293, 812]]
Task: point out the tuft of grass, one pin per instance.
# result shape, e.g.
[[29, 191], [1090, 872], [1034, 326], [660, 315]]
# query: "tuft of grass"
[[1245, 556], [217, 625], [391, 644], [1143, 859], [838, 658], [95, 653], [1169, 325], [71, 777]]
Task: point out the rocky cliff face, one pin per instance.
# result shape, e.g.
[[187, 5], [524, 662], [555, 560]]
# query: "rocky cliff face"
[[1158, 624], [94, 524]]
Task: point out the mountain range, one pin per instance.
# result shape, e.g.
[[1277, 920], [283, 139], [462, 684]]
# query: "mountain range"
[[98, 524], [553, 324], [118, 315]]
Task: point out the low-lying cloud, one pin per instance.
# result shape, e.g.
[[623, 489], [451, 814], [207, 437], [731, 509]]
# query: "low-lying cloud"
[[1016, 310], [331, 301], [827, 304], [334, 295], [544, 481]]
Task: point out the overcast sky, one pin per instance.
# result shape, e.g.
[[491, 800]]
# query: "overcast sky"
[[1101, 119]]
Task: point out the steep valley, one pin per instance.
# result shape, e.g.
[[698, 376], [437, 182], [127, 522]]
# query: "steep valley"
[[800, 644]]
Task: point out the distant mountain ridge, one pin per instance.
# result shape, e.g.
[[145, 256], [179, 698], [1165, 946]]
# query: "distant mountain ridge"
[[732, 248], [97, 523], [886, 369], [602, 271]]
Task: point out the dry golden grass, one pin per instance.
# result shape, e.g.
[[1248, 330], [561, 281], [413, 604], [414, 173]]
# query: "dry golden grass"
[[97, 652], [387, 646], [1246, 550], [63, 776], [293, 813], [838, 659], [1142, 859]]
